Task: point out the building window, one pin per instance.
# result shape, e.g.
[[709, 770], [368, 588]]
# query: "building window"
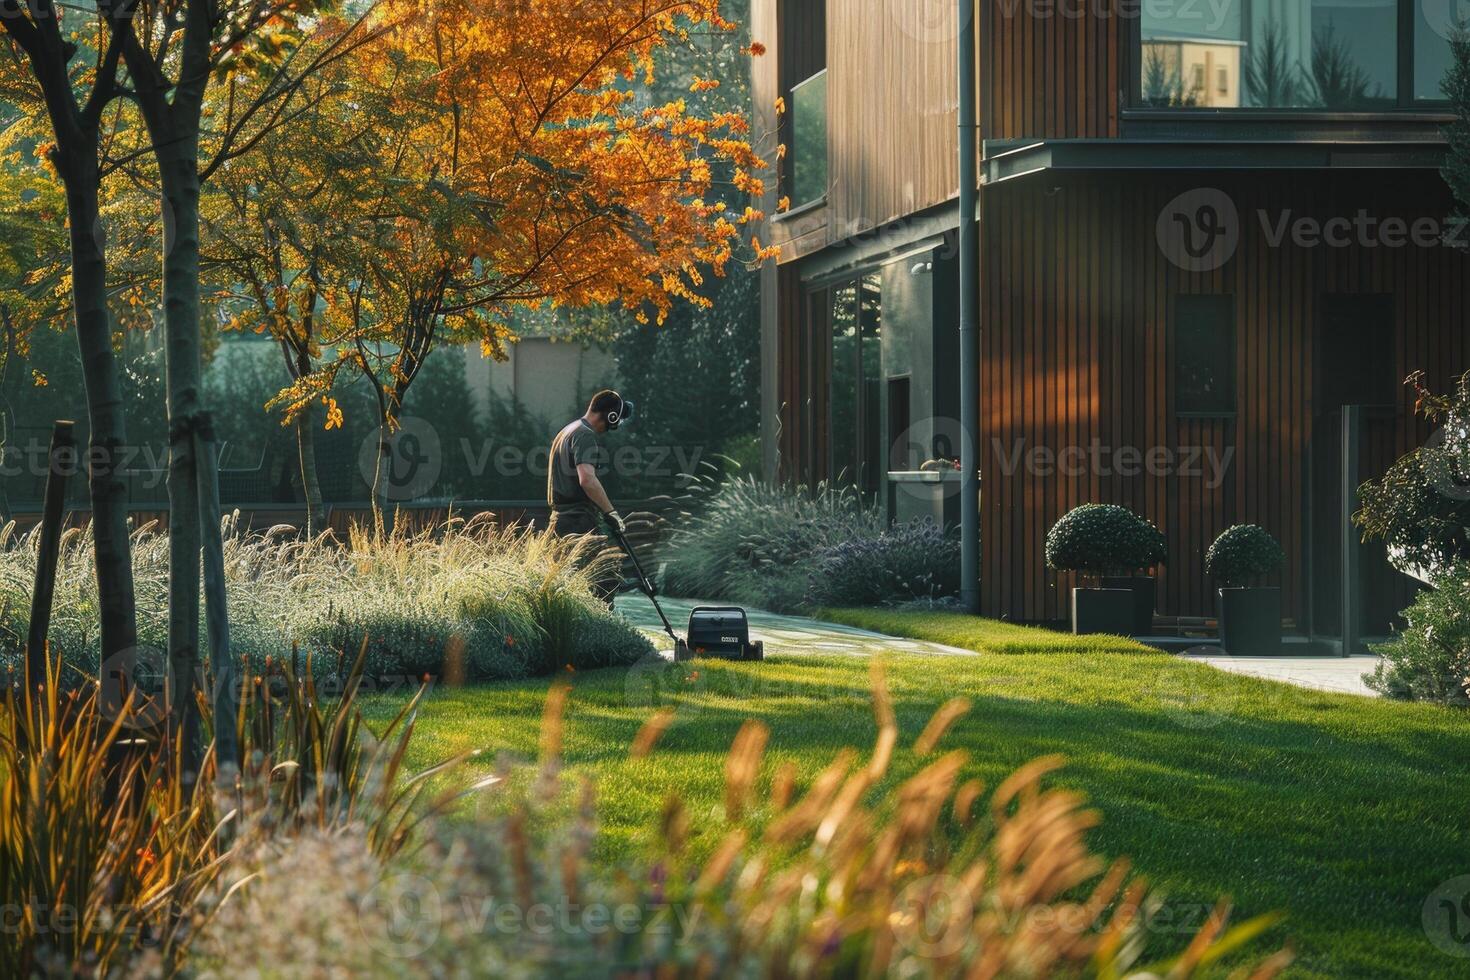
[[1204, 355], [802, 72], [1322, 55], [856, 403], [808, 108]]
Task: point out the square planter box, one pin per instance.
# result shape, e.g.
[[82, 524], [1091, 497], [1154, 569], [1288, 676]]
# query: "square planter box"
[[1102, 611], [1143, 589], [1250, 621]]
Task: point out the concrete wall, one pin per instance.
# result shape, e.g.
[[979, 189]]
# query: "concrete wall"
[[551, 379]]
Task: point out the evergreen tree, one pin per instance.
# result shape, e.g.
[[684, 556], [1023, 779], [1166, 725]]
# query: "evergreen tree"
[[1456, 87]]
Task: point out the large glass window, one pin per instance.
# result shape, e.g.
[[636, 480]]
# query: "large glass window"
[[1332, 55], [1435, 22], [857, 384], [809, 140]]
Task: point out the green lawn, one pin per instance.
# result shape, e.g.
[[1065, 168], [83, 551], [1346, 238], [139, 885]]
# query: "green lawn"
[[1344, 812]]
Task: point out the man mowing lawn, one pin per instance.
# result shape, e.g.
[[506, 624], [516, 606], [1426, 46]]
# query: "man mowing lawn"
[[574, 489]]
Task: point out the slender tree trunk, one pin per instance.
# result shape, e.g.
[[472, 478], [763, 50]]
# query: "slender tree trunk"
[[179, 170], [383, 516], [316, 511], [119, 625]]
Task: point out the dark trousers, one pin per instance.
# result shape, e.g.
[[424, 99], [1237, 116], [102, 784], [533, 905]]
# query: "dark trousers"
[[577, 523]]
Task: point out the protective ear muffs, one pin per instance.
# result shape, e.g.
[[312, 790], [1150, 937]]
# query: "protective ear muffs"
[[615, 417]]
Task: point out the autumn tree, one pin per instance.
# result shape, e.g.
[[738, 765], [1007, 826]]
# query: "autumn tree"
[[521, 170], [173, 51], [278, 230], [71, 87]]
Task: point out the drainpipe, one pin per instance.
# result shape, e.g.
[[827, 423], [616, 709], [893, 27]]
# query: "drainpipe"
[[969, 317]]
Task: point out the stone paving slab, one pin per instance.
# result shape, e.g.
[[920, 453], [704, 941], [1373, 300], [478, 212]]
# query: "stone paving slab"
[[1343, 675], [785, 634]]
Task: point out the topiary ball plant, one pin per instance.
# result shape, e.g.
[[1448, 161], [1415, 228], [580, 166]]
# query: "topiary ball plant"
[[1104, 539], [1153, 547], [1242, 553]]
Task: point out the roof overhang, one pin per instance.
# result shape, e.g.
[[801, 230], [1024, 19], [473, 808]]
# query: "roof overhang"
[[1009, 160]]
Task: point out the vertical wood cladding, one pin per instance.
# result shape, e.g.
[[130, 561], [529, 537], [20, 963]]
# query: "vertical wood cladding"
[[1076, 351], [1052, 68], [892, 109]]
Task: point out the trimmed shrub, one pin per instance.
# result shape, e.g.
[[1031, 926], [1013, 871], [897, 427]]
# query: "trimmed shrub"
[[1104, 539], [907, 563], [1430, 660], [1243, 553]]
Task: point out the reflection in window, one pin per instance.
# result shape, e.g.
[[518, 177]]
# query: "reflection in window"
[[857, 384], [1321, 54], [809, 140], [1434, 25], [844, 383]]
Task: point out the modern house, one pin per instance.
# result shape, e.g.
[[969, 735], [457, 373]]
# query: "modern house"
[[1214, 242]]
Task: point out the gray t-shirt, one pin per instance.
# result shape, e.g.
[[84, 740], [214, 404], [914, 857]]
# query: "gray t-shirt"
[[574, 445]]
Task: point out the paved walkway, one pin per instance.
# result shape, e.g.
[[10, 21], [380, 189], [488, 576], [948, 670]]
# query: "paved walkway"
[[798, 635], [1343, 675], [785, 634]]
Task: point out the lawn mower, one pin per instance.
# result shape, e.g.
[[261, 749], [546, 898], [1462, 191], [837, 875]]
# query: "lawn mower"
[[714, 631]]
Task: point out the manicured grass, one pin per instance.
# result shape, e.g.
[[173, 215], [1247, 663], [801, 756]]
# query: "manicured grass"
[[1343, 812]]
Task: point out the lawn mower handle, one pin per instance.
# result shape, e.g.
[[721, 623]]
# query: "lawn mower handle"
[[644, 584]]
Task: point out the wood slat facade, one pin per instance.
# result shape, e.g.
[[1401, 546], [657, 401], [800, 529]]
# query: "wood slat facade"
[[1078, 297], [1048, 73], [892, 110], [1077, 348]]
